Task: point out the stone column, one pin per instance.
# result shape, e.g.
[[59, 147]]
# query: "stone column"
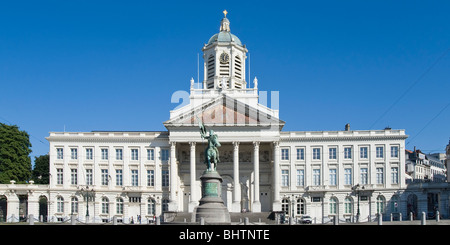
[[194, 199], [276, 206], [236, 207], [173, 204], [256, 203]]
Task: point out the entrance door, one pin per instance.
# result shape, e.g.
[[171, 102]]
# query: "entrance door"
[[23, 207], [43, 208]]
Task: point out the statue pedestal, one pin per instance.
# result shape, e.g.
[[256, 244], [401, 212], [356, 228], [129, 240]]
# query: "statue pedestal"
[[212, 208]]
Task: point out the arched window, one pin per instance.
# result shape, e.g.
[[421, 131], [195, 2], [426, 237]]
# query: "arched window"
[[348, 205], [285, 205], [60, 204], [74, 205], [119, 206], [301, 206], [151, 206], [333, 205], [105, 205], [381, 203]]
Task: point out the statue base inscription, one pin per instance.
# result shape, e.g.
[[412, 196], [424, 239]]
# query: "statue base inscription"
[[212, 208]]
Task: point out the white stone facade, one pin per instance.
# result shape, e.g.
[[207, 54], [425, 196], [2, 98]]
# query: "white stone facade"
[[136, 176]]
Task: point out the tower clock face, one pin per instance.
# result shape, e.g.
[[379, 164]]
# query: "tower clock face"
[[224, 58]]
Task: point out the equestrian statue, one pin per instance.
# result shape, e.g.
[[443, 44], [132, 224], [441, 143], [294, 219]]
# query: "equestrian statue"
[[211, 151]]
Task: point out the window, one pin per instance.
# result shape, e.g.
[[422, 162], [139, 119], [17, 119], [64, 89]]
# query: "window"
[[73, 176], [119, 206], [347, 153], [119, 154], [284, 177], [59, 153], [316, 176], [379, 152], [301, 207], [348, 205], [332, 153], [285, 154], [165, 178], [150, 178], [394, 151], [105, 205], [60, 204], [74, 153], [333, 205], [165, 205], [164, 154], [316, 153], [332, 179], [134, 177], [89, 177], [134, 154], [119, 177], [285, 205], [348, 176], [104, 154], [88, 153], [300, 154], [150, 154], [74, 205], [104, 176], [363, 152], [151, 206], [300, 177], [380, 176], [394, 175], [364, 176], [59, 176]]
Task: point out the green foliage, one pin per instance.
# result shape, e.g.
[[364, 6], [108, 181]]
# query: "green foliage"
[[41, 170], [15, 147]]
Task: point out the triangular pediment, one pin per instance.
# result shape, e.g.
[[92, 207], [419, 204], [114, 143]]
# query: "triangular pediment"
[[225, 111]]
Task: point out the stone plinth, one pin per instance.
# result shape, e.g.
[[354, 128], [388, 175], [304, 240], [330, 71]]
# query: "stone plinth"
[[212, 208]]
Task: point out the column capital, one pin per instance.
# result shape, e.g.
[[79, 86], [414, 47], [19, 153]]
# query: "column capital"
[[236, 143], [172, 143], [256, 143], [192, 143], [276, 143]]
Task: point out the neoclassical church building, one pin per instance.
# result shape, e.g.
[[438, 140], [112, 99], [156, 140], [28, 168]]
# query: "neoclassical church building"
[[135, 176]]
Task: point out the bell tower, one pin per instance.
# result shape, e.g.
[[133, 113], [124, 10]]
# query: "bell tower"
[[224, 60]]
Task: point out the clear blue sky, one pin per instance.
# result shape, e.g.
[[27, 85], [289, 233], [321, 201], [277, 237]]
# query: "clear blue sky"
[[114, 65]]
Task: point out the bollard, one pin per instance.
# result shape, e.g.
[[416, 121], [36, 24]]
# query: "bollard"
[[202, 221], [246, 222], [115, 220], [336, 220], [291, 221], [400, 217], [424, 219], [437, 216], [380, 219], [411, 218], [158, 220], [392, 217], [31, 219], [41, 218], [73, 220]]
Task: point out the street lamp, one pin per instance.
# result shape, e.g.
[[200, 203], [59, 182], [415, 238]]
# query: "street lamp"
[[356, 190], [85, 192]]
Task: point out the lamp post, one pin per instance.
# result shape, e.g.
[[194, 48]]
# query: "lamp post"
[[86, 192], [356, 190]]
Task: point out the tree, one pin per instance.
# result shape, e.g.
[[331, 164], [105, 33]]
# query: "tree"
[[15, 148], [41, 170]]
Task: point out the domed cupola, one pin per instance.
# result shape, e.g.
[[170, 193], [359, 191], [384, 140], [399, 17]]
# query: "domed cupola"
[[224, 57]]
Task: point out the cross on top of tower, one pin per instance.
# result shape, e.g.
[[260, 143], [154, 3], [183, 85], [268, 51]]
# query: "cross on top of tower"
[[225, 13]]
